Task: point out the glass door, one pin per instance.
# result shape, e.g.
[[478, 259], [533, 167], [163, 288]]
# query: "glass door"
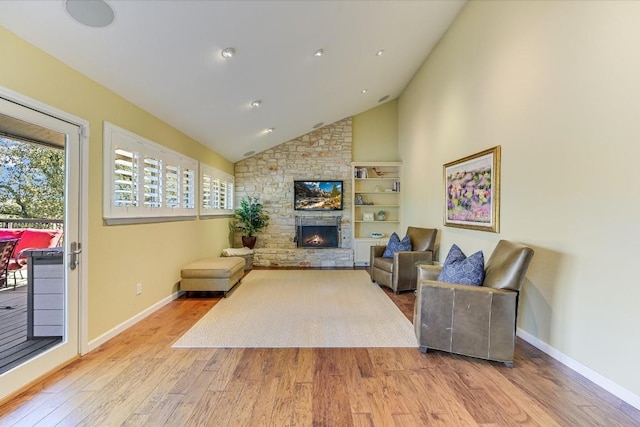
[[51, 267]]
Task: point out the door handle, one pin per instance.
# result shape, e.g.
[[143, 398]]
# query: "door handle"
[[76, 249]]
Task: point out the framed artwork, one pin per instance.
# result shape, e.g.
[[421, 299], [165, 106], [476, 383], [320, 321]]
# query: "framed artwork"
[[472, 191], [367, 216]]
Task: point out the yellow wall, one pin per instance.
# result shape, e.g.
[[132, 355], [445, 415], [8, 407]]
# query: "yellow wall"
[[375, 134], [120, 256], [556, 85]]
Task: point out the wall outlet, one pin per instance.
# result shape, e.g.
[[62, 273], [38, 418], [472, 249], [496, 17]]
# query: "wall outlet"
[[138, 288]]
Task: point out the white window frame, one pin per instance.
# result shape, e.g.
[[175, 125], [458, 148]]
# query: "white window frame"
[[212, 183], [116, 138]]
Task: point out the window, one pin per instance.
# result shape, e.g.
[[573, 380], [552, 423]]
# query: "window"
[[189, 188], [216, 195], [144, 179], [152, 182], [172, 186], [125, 169]]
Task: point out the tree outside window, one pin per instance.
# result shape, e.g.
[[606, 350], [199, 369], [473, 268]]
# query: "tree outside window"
[[31, 180]]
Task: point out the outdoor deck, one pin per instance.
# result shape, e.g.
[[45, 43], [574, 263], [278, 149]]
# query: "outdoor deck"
[[14, 346]]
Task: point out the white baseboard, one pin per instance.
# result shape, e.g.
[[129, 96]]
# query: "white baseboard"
[[93, 344], [613, 388]]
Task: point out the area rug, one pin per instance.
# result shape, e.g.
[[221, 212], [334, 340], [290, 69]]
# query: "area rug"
[[303, 308]]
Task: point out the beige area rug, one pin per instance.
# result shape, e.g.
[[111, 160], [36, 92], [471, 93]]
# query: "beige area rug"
[[303, 308]]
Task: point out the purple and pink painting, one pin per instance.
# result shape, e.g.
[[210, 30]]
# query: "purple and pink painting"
[[471, 183]]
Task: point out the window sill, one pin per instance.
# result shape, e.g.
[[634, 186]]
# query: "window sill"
[[147, 220]]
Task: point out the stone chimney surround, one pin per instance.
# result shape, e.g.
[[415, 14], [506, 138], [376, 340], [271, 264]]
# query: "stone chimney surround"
[[324, 154]]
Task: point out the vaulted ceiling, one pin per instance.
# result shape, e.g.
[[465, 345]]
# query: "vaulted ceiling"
[[165, 56]]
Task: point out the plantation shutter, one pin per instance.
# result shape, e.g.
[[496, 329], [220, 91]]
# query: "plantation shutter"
[[188, 188], [152, 179], [206, 192], [172, 186], [125, 178]]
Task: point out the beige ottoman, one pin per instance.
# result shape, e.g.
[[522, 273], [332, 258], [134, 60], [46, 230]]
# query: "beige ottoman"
[[212, 274]]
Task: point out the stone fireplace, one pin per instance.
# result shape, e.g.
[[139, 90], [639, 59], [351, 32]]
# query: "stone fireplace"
[[324, 154]]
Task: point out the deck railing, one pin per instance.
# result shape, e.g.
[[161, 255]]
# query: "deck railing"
[[42, 224]]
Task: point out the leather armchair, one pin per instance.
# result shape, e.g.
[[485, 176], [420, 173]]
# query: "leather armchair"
[[477, 321], [399, 273]]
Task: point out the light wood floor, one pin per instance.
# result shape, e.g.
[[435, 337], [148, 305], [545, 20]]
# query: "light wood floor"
[[138, 379]]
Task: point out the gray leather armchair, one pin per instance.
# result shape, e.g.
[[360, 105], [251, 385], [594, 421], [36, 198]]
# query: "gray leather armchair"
[[477, 321], [399, 273]]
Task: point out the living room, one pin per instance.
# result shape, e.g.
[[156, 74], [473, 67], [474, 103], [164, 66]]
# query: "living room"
[[553, 83]]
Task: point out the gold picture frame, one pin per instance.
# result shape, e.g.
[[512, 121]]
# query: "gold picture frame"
[[472, 191]]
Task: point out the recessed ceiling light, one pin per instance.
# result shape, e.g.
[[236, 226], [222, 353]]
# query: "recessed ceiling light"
[[228, 52], [380, 52], [318, 125], [256, 103], [269, 130], [363, 91], [93, 13], [384, 98], [318, 52], [249, 153]]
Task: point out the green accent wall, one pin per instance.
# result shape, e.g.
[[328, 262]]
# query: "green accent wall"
[[375, 134]]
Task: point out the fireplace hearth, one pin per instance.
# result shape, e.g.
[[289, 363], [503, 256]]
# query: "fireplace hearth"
[[318, 231]]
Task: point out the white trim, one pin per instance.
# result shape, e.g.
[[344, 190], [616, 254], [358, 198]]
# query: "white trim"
[[613, 388], [93, 344], [33, 104], [149, 220], [83, 327], [18, 98]]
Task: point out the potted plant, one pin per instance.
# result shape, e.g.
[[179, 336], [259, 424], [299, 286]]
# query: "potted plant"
[[382, 215], [250, 218]]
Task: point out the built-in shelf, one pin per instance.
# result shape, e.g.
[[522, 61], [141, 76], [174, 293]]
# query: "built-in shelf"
[[381, 179], [377, 193]]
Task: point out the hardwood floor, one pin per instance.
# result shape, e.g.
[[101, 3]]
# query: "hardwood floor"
[[137, 379]]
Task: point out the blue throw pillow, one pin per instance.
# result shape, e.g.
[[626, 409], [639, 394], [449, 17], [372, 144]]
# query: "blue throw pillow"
[[463, 270], [395, 245]]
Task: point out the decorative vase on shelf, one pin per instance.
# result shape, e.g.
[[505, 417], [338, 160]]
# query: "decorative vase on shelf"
[[381, 215]]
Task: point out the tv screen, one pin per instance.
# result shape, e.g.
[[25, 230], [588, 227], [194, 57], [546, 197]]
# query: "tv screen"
[[317, 195]]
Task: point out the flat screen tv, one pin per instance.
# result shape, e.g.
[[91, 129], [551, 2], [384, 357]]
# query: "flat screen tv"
[[317, 195]]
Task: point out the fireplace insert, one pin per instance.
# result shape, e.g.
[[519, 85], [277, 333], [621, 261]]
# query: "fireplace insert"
[[318, 232]]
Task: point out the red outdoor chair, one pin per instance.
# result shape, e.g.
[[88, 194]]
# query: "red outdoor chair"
[[7, 247], [29, 240]]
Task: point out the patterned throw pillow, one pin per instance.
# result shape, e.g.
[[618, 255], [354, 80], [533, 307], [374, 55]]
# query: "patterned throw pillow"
[[463, 270], [396, 245]]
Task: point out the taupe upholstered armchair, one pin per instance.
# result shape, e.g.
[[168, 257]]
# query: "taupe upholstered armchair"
[[477, 321], [399, 273]]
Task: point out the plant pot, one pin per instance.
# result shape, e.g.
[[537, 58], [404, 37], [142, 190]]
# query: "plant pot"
[[249, 242]]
